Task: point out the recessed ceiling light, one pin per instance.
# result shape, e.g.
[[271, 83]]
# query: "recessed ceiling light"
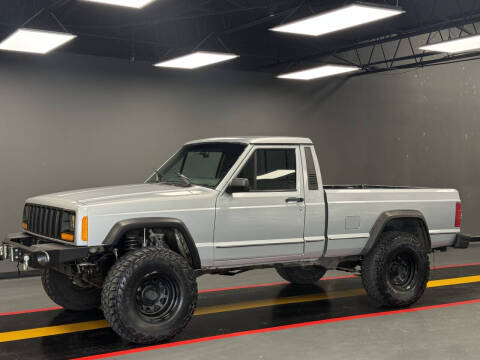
[[137, 4], [338, 19], [196, 60], [35, 41], [319, 72], [465, 44]]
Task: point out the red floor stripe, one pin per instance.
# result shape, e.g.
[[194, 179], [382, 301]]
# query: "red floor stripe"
[[454, 266], [276, 328], [30, 311], [246, 287]]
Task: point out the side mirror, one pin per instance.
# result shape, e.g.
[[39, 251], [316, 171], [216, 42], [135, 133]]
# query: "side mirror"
[[238, 185]]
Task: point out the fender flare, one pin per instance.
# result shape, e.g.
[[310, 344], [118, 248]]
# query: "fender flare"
[[122, 227], [385, 217]]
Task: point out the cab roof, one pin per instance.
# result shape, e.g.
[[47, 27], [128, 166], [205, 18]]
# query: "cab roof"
[[255, 140]]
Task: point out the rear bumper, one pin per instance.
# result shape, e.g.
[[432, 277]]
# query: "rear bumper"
[[462, 241], [36, 253]]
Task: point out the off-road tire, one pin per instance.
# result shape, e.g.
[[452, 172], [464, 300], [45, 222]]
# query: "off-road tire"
[[60, 288], [301, 275], [378, 267], [120, 295]]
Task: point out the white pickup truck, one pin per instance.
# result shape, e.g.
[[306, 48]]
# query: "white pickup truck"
[[224, 206]]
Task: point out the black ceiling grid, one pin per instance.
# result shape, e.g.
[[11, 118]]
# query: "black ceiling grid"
[[168, 28]]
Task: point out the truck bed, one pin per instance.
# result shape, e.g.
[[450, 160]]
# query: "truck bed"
[[353, 210]]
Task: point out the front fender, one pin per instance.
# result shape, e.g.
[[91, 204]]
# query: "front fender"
[[122, 227]]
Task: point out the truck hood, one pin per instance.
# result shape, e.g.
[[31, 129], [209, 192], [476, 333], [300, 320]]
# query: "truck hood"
[[122, 193]]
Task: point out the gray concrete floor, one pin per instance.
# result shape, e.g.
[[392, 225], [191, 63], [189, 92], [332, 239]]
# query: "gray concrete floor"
[[449, 333], [434, 334]]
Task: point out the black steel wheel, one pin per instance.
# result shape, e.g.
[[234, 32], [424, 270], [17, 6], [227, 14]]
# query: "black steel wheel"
[[149, 295], [396, 271], [402, 270], [156, 297]]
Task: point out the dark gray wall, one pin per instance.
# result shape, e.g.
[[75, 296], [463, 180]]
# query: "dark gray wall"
[[68, 122], [415, 128]]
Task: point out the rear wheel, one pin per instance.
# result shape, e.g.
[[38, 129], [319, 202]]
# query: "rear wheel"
[[61, 289], [302, 275], [149, 295], [396, 271]]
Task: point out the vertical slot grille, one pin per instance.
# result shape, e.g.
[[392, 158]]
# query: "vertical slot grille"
[[45, 220]]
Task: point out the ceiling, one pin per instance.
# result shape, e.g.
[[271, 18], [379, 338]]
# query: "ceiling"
[[169, 28]]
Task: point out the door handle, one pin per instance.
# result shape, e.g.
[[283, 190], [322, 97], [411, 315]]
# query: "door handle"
[[294, 199]]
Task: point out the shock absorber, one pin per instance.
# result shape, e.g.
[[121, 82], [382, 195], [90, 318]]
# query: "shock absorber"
[[131, 242]]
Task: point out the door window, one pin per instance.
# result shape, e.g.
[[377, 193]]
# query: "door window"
[[271, 170]]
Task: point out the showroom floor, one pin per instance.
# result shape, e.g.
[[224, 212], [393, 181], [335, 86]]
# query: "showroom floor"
[[337, 320]]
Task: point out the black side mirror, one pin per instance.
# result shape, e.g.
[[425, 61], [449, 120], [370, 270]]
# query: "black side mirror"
[[238, 185]]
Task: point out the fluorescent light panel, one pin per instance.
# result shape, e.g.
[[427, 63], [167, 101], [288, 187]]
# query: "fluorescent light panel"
[[465, 44], [35, 41], [137, 4], [339, 19], [319, 72], [196, 60]]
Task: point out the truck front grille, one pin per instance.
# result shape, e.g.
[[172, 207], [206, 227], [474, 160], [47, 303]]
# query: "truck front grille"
[[45, 220]]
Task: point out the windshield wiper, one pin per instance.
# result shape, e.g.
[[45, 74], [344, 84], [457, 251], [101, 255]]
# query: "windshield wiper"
[[157, 175], [186, 179]]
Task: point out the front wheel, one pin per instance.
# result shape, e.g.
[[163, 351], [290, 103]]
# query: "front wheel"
[[149, 295], [396, 271]]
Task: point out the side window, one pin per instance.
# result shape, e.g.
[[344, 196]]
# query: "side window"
[[312, 174], [271, 170]]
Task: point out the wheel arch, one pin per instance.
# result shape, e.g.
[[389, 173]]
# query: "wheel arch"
[[399, 220], [117, 232]]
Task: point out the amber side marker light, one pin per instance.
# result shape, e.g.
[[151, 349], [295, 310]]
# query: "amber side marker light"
[[66, 236], [24, 226], [85, 228]]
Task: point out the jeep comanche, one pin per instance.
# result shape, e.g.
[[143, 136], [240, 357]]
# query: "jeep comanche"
[[224, 206]]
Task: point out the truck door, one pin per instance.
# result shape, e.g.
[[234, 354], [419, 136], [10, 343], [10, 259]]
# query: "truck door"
[[268, 220], [315, 211]]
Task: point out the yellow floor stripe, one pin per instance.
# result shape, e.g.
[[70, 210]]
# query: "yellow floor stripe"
[[52, 330], [278, 301], [100, 324], [454, 281]]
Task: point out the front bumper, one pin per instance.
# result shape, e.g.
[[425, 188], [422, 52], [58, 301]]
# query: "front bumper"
[[37, 253]]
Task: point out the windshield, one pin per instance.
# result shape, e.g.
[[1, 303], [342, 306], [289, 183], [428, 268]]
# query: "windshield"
[[202, 164]]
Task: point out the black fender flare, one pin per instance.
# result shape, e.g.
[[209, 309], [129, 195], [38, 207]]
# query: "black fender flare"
[[120, 228], [385, 217]]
